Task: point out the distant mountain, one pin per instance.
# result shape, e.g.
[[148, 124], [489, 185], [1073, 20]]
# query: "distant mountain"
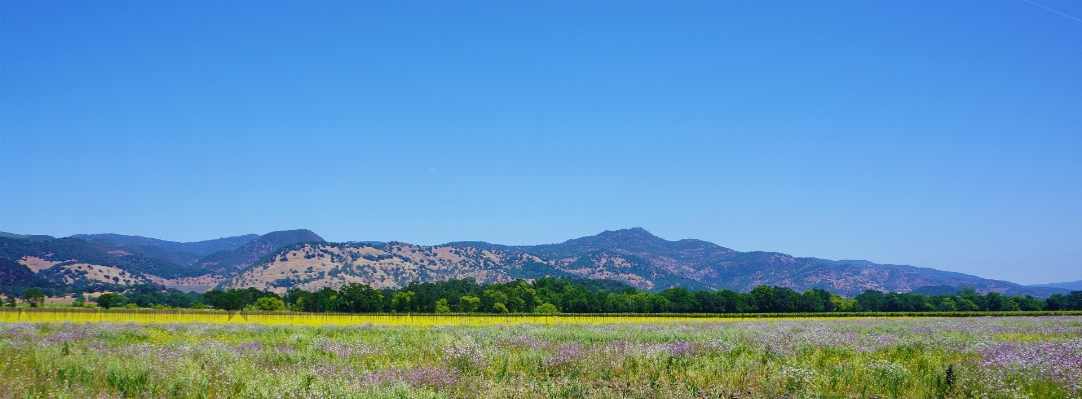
[[26, 236], [928, 276], [105, 261], [198, 249], [632, 256], [1073, 285], [228, 261], [301, 258], [79, 264]]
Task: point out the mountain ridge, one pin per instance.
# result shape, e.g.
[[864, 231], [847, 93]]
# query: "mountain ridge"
[[633, 256], [255, 249], [107, 261], [1070, 285], [200, 248], [301, 258]]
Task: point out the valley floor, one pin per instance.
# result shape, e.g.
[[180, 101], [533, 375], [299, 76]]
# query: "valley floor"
[[985, 357]]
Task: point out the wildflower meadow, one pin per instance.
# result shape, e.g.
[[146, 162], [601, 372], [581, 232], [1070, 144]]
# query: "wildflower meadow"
[[975, 357]]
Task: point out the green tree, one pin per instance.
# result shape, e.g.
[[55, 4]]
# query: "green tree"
[[745, 303], [785, 299], [546, 308], [109, 300], [658, 304], [728, 299], [971, 295], [401, 301], [966, 305], [231, 300], [1056, 302], [639, 302], [34, 297], [871, 301], [947, 305], [270, 304], [9, 301], [499, 308], [1000, 302], [1028, 302], [529, 296], [359, 298], [841, 304], [492, 297], [469, 304], [811, 301], [680, 300], [442, 306], [764, 298], [1074, 301]]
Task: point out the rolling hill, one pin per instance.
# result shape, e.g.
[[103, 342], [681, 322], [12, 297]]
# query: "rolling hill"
[[102, 261], [227, 261], [300, 258], [198, 249], [1070, 285], [632, 256]]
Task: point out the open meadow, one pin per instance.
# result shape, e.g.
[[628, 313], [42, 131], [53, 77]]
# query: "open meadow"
[[976, 357]]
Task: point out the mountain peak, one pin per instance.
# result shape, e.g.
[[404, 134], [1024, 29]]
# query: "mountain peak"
[[635, 239], [196, 248], [634, 234], [227, 261], [289, 236]]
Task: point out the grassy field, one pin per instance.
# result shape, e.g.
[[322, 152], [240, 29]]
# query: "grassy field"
[[78, 315], [976, 357], [324, 319]]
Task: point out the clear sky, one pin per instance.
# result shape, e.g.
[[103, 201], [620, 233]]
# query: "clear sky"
[[937, 134]]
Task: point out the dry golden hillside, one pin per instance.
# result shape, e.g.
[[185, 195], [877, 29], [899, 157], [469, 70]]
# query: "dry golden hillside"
[[317, 265], [99, 273]]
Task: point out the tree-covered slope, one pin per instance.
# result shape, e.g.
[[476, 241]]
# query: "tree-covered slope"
[[226, 262], [15, 274], [58, 252], [197, 249]]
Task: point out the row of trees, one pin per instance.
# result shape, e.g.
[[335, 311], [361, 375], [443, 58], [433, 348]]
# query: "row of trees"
[[550, 295], [33, 297], [149, 296], [138, 296]]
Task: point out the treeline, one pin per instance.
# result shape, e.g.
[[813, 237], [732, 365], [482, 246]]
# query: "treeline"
[[568, 295], [151, 296], [136, 296]]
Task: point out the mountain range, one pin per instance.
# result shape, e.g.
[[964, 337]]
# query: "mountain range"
[[1071, 285], [280, 260]]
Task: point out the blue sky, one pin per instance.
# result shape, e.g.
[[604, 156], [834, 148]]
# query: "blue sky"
[[938, 134]]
